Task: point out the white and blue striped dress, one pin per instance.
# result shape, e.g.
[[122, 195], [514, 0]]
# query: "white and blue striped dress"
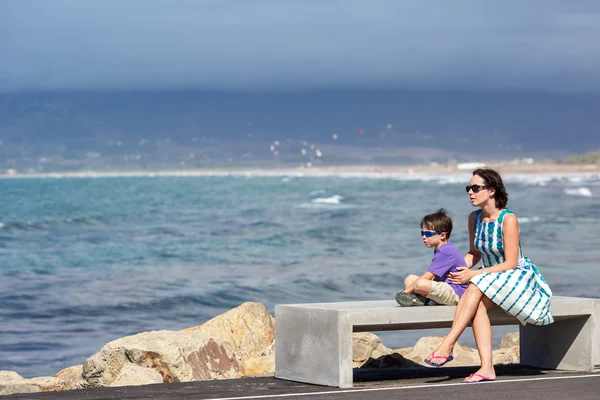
[[521, 292]]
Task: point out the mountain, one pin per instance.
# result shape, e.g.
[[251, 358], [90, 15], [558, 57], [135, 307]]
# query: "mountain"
[[194, 128]]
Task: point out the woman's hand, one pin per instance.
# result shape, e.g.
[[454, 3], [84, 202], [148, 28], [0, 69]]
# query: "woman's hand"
[[461, 277]]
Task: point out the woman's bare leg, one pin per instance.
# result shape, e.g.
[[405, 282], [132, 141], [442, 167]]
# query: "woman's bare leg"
[[465, 312], [482, 330]]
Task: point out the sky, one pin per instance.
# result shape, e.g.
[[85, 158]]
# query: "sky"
[[299, 44]]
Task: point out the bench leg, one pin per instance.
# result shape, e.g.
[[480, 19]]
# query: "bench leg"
[[570, 344], [313, 346]]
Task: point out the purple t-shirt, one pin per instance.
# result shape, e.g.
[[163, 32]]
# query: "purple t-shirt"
[[445, 260]]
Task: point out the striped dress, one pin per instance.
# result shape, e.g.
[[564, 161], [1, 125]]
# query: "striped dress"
[[521, 292]]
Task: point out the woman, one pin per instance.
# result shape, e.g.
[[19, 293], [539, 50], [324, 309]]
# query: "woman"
[[507, 279]]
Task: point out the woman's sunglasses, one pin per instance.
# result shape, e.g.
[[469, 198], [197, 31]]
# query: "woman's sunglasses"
[[476, 188], [429, 234]]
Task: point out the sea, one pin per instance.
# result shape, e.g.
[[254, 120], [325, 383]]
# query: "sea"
[[87, 260]]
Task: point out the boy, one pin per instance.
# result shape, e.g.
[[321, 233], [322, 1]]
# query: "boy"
[[434, 284]]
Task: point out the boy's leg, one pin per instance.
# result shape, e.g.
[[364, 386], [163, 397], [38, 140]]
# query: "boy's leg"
[[442, 293], [410, 297], [423, 286], [409, 282]]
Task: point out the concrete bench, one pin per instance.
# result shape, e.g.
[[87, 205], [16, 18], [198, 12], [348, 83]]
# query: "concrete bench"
[[313, 342]]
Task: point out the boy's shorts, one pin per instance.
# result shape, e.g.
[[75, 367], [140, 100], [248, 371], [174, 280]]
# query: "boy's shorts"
[[442, 293]]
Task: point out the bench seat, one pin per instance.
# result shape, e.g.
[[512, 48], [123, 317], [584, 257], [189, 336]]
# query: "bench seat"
[[313, 342]]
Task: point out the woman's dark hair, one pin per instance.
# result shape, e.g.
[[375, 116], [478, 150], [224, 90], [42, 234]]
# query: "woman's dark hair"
[[439, 221], [494, 181]]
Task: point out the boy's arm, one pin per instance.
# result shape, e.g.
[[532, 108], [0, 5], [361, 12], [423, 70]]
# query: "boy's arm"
[[428, 275]]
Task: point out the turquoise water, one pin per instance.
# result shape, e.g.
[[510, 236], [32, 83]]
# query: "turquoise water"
[[84, 261]]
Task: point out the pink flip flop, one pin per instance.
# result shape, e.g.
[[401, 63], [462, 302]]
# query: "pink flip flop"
[[483, 379], [446, 359]]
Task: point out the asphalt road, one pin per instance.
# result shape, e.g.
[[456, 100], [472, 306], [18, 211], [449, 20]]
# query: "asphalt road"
[[445, 384]]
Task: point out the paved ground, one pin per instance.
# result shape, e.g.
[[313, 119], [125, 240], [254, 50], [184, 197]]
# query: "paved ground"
[[513, 383]]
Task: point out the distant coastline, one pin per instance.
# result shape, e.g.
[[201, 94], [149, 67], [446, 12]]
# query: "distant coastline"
[[346, 170]]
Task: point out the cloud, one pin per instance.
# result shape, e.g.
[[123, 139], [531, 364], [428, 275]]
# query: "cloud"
[[274, 44]]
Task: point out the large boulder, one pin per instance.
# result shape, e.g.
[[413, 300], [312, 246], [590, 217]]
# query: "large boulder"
[[510, 340], [463, 355], [134, 375], [366, 346], [250, 331], [47, 383], [509, 355], [11, 383], [176, 356], [72, 377], [509, 351]]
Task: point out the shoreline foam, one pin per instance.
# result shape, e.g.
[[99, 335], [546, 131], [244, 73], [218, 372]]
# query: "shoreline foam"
[[505, 168]]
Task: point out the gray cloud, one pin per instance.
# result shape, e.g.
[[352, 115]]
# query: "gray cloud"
[[271, 44]]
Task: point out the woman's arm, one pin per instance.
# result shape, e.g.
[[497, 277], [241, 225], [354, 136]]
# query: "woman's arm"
[[473, 256]]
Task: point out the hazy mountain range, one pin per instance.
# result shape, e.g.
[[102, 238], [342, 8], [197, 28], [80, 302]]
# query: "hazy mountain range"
[[151, 129]]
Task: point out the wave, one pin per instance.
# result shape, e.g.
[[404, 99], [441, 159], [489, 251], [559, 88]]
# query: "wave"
[[527, 220], [580, 192], [540, 179], [335, 199], [44, 225]]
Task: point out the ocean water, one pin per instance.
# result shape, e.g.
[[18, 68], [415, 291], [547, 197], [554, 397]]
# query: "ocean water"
[[84, 261]]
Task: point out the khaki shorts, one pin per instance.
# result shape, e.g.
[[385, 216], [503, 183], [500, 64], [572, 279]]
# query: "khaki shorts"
[[442, 293]]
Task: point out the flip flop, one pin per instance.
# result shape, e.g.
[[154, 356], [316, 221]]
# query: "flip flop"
[[446, 358], [483, 379]]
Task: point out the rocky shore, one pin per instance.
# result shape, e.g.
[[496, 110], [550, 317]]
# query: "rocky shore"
[[236, 344]]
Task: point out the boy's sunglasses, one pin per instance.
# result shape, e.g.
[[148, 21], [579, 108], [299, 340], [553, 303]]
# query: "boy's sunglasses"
[[429, 234], [476, 188]]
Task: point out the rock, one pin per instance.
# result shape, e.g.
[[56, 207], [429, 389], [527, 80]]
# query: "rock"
[[47, 383], [17, 387], [250, 331], [403, 352], [177, 356], [261, 365], [390, 360], [463, 356], [509, 340], [134, 375], [72, 377], [366, 346], [10, 376], [12, 383], [510, 355]]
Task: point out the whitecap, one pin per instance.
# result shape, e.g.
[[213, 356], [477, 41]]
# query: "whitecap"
[[325, 206], [527, 220], [335, 199], [1, 225], [580, 191], [315, 192], [286, 179]]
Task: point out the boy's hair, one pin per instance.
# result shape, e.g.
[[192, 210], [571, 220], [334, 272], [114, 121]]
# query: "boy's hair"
[[439, 221]]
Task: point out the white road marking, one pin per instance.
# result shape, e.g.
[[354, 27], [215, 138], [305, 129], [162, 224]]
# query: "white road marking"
[[273, 396]]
